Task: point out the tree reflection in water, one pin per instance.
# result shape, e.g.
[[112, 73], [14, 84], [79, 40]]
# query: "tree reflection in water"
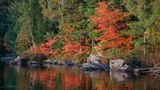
[[1, 76], [60, 78], [118, 76]]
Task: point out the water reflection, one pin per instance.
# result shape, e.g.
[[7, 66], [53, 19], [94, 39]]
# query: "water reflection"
[[59, 79], [62, 78], [119, 76], [1, 76]]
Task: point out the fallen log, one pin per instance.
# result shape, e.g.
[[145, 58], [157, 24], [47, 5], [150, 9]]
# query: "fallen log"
[[155, 70]]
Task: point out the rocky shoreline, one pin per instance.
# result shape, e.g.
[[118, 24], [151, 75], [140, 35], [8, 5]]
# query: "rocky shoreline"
[[93, 63]]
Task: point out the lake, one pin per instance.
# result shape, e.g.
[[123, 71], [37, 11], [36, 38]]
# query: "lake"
[[71, 78]]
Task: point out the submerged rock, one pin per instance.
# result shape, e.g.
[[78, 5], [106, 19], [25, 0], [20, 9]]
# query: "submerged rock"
[[119, 65]]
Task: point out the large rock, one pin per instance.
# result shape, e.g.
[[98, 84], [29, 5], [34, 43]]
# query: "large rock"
[[94, 63], [17, 59], [119, 65], [94, 58]]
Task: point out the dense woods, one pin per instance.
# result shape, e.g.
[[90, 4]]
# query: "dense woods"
[[73, 29]]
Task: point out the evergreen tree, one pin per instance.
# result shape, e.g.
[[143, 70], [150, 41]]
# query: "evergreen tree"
[[144, 13], [27, 25], [4, 4]]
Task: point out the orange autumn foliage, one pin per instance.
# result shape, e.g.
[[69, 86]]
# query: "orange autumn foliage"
[[106, 20], [107, 23], [70, 45], [73, 48], [45, 48]]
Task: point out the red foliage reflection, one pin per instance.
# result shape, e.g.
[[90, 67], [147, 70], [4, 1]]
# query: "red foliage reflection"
[[71, 80]]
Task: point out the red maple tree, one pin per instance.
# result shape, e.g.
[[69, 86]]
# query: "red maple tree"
[[45, 48], [106, 19]]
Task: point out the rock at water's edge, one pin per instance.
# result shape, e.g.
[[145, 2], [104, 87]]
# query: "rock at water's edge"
[[119, 65], [94, 58]]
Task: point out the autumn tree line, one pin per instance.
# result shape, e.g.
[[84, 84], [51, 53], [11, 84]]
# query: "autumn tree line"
[[73, 29]]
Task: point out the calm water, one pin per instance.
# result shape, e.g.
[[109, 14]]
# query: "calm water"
[[62, 78]]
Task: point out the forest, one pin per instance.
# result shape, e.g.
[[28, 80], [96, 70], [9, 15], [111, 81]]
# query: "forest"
[[73, 29]]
